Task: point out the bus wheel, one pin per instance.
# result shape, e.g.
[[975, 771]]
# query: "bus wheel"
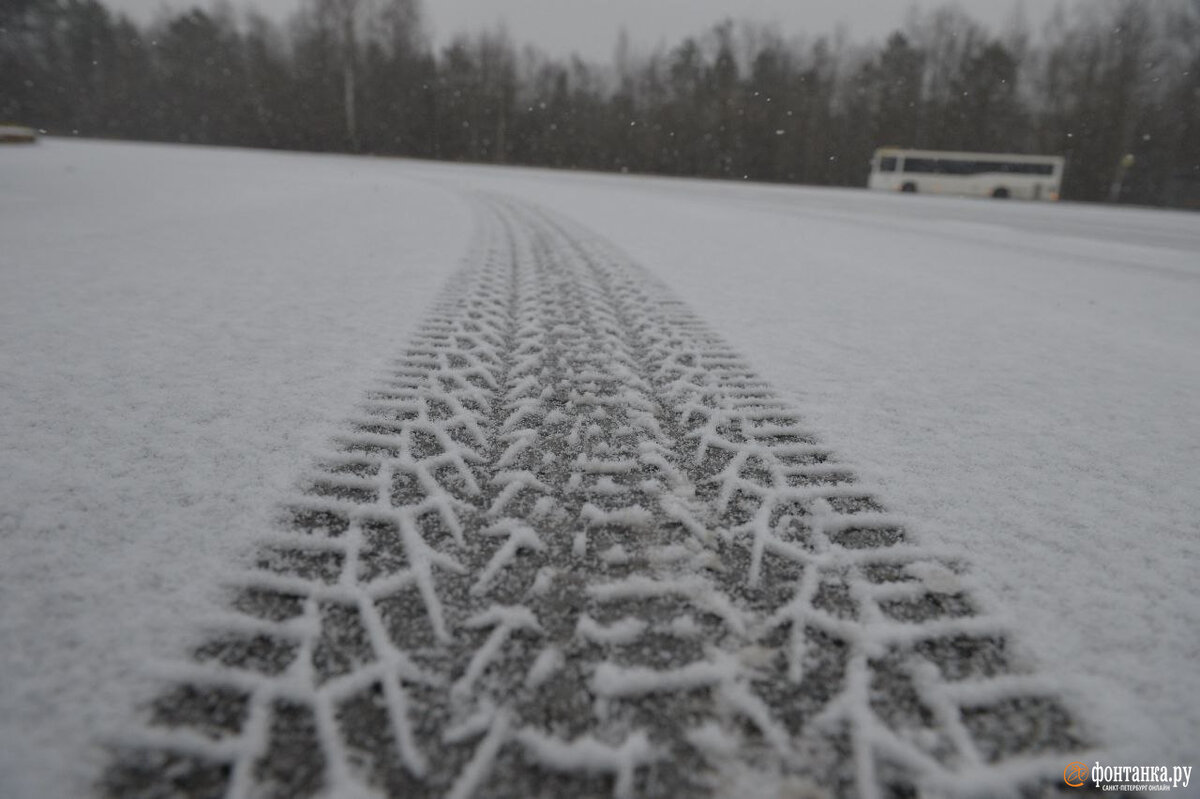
[[910, 187], [1000, 193]]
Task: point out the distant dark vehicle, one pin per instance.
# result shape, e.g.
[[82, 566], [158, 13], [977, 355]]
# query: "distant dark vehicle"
[[1000, 175], [17, 134], [1183, 190]]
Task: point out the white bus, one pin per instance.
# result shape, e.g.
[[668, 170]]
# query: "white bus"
[[1025, 177]]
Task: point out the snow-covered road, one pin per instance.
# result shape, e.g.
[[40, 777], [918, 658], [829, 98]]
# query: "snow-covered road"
[[183, 329]]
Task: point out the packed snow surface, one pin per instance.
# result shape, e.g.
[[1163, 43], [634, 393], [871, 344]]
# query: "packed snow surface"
[[181, 328]]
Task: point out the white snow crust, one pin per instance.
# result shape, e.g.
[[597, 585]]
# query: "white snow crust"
[[182, 328]]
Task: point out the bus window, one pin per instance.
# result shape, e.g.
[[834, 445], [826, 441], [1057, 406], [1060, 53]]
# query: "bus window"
[[920, 165], [887, 164]]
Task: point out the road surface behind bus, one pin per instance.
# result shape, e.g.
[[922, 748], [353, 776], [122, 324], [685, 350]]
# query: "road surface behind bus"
[[323, 472]]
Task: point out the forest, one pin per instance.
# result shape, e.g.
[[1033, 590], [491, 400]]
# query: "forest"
[[1097, 83]]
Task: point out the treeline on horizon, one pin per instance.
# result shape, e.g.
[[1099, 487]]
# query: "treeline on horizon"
[[740, 101]]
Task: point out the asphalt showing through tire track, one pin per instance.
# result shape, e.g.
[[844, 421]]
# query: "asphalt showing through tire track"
[[574, 546]]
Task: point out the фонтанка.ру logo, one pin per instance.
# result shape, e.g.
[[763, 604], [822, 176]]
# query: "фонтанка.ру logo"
[[1127, 778]]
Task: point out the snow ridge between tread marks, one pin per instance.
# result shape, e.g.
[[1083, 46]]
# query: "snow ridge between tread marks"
[[574, 546]]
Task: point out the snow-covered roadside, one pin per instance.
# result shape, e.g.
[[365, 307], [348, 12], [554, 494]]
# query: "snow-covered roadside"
[[179, 329], [1021, 378]]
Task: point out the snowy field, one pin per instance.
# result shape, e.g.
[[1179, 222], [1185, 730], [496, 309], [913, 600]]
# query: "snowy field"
[[182, 328]]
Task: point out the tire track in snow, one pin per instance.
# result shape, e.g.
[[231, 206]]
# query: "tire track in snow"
[[574, 546]]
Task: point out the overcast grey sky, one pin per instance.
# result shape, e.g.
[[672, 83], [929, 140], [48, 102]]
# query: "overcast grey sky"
[[590, 27]]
